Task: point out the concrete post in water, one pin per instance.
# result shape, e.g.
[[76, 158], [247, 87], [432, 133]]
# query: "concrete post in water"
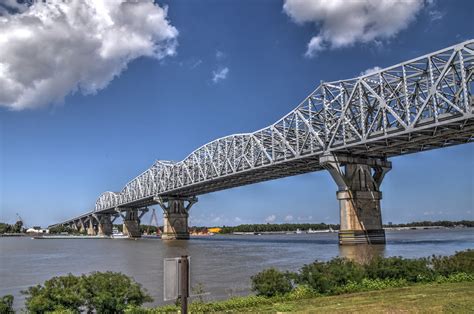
[[82, 225], [131, 221], [175, 217], [104, 224], [359, 196], [90, 229], [131, 224]]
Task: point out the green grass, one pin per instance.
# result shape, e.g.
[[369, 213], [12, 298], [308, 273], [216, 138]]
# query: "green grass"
[[420, 298], [425, 298]]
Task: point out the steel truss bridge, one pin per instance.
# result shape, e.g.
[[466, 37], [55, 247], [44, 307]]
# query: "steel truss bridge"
[[418, 105]]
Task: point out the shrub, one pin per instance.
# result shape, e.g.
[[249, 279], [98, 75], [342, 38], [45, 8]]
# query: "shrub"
[[458, 277], [372, 284], [271, 282], [325, 277], [58, 293], [6, 304], [301, 292], [111, 292], [459, 262], [107, 292], [413, 270]]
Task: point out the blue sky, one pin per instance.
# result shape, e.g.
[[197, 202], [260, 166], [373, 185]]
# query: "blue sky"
[[236, 66]]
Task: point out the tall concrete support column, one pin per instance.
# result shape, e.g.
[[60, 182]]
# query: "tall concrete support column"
[[175, 216], [359, 196], [74, 226], [131, 224], [90, 228], [82, 225], [131, 221], [104, 224]]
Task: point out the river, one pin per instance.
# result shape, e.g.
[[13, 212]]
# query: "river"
[[223, 264]]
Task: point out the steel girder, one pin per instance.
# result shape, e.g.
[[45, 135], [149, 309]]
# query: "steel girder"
[[421, 104]]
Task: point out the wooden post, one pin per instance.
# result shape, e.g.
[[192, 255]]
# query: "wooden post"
[[184, 278]]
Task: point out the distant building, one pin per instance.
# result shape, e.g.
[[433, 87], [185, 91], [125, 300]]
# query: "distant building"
[[37, 229], [215, 230]]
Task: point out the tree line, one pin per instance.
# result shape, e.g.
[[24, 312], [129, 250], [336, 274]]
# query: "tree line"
[[278, 227], [16, 228], [442, 223]]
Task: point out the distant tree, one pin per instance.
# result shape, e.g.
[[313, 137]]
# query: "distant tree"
[[107, 292], [6, 304], [277, 227], [442, 223], [18, 226], [63, 229], [148, 229], [5, 228], [119, 227]]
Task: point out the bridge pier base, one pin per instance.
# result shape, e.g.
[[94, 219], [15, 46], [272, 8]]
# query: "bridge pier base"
[[82, 226], [175, 217], [131, 221], [131, 224], [90, 229], [359, 196], [104, 225]]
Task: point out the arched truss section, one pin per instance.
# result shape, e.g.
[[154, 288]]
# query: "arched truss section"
[[395, 103]]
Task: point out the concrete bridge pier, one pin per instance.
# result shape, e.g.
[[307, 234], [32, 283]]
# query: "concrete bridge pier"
[[91, 228], [104, 224], [131, 221], [175, 216], [359, 196], [82, 225]]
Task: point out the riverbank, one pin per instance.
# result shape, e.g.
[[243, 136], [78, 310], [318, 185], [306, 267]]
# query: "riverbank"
[[419, 298]]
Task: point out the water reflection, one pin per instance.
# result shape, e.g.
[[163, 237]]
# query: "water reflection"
[[362, 253], [175, 248]]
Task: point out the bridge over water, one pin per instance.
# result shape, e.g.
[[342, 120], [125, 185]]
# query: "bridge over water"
[[349, 127]]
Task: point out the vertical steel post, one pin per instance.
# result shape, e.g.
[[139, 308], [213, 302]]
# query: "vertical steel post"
[[184, 280]]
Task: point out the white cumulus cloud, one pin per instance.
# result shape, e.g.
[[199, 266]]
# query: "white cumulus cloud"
[[342, 23], [371, 70], [270, 219], [57, 47], [220, 74]]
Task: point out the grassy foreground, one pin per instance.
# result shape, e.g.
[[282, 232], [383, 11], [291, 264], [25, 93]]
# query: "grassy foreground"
[[419, 298], [424, 298]]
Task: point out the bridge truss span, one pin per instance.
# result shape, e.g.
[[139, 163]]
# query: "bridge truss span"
[[418, 105]]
